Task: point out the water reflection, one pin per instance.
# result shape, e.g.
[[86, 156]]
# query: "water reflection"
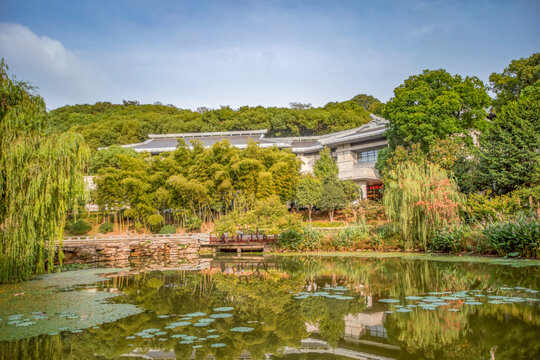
[[310, 308]]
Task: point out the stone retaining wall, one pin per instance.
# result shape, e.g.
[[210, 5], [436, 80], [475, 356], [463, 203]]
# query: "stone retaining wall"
[[123, 252]]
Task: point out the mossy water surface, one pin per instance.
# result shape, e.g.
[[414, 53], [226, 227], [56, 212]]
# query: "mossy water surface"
[[407, 306]]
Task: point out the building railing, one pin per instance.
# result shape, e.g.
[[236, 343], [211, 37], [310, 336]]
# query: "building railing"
[[244, 239], [128, 237]]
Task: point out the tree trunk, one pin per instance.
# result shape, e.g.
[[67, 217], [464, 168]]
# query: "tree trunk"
[[331, 214], [309, 213]]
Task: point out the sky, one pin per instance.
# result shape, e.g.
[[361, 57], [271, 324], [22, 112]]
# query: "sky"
[[260, 52]]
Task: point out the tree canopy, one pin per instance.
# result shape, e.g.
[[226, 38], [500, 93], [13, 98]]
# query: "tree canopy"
[[104, 124], [434, 105], [509, 152], [196, 180], [40, 180], [516, 76]]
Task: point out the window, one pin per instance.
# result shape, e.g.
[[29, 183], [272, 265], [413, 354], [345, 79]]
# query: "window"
[[367, 156], [374, 192]]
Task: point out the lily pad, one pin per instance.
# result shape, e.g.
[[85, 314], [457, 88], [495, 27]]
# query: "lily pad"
[[196, 314], [389, 301], [218, 345], [403, 310], [221, 316], [242, 329], [224, 309]]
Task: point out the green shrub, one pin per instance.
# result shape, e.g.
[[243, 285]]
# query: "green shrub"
[[311, 239], [155, 222], [80, 227], [290, 239], [327, 224], [350, 237], [520, 237], [168, 229], [106, 227], [451, 240], [308, 238], [193, 223], [486, 208], [386, 236]]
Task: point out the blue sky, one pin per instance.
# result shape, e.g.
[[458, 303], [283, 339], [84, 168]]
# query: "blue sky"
[[212, 53]]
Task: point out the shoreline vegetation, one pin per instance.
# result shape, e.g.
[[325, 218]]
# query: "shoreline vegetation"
[[460, 174]]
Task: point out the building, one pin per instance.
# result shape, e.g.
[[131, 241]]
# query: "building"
[[354, 150]]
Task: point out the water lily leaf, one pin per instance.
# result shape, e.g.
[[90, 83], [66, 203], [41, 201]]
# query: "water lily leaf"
[[403, 310], [242, 329], [389, 301], [196, 314], [221, 316], [207, 320], [218, 345], [224, 309], [201, 324]]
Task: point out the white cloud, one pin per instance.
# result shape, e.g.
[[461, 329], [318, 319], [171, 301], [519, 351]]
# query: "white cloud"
[[61, 75]]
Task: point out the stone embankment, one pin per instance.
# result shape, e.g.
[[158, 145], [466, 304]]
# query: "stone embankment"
[[123, 250]]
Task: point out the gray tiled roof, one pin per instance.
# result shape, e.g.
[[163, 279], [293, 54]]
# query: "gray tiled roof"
[[168, 142]]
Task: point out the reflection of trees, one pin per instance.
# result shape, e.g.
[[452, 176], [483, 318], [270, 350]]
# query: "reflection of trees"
[[267, 297], [473, 330]]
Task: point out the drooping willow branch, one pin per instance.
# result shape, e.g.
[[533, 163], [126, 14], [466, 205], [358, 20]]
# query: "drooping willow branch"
[[41, 177]]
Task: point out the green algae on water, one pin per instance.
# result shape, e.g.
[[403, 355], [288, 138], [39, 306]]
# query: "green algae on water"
[[67, 302]]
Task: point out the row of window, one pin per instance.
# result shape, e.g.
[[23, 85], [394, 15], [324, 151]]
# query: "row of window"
[[367, 156]]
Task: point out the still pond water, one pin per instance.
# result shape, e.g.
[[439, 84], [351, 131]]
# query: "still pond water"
[[279, 307]]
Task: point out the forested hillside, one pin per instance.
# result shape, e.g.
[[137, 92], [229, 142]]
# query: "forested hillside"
[[104, 124]]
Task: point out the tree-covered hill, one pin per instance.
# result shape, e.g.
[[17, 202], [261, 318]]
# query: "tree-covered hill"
[[104, 124]]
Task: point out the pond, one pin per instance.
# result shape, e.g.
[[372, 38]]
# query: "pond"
[[280, 307]]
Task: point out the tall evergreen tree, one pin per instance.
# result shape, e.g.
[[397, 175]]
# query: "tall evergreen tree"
[[325, 168], [510, 152]]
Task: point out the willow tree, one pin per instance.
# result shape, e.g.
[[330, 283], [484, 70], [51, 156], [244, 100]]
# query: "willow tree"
[[420, 199], [40, 179]]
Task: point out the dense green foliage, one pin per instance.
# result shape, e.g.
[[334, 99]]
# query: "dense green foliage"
[[420, 199], [518, 75], [106, 228], [521, 237], [195, 182], [333, 198], [80, 227], [265, 216], [40, 180], [497, 166], [105, 124], [109, 157], [451, 240], [509, 155], [167, 229], [433, 105], [370, 103], [309, 192]]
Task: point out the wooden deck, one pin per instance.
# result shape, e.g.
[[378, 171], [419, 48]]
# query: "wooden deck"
[[241, 243]]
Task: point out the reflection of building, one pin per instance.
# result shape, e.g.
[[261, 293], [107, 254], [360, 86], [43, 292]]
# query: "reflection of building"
[[354, 150]]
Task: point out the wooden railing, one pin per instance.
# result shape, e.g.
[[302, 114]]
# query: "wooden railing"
[[244, 239], [129, 237]]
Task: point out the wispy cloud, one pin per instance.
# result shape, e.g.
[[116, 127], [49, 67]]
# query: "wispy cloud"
[[59, 73]]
